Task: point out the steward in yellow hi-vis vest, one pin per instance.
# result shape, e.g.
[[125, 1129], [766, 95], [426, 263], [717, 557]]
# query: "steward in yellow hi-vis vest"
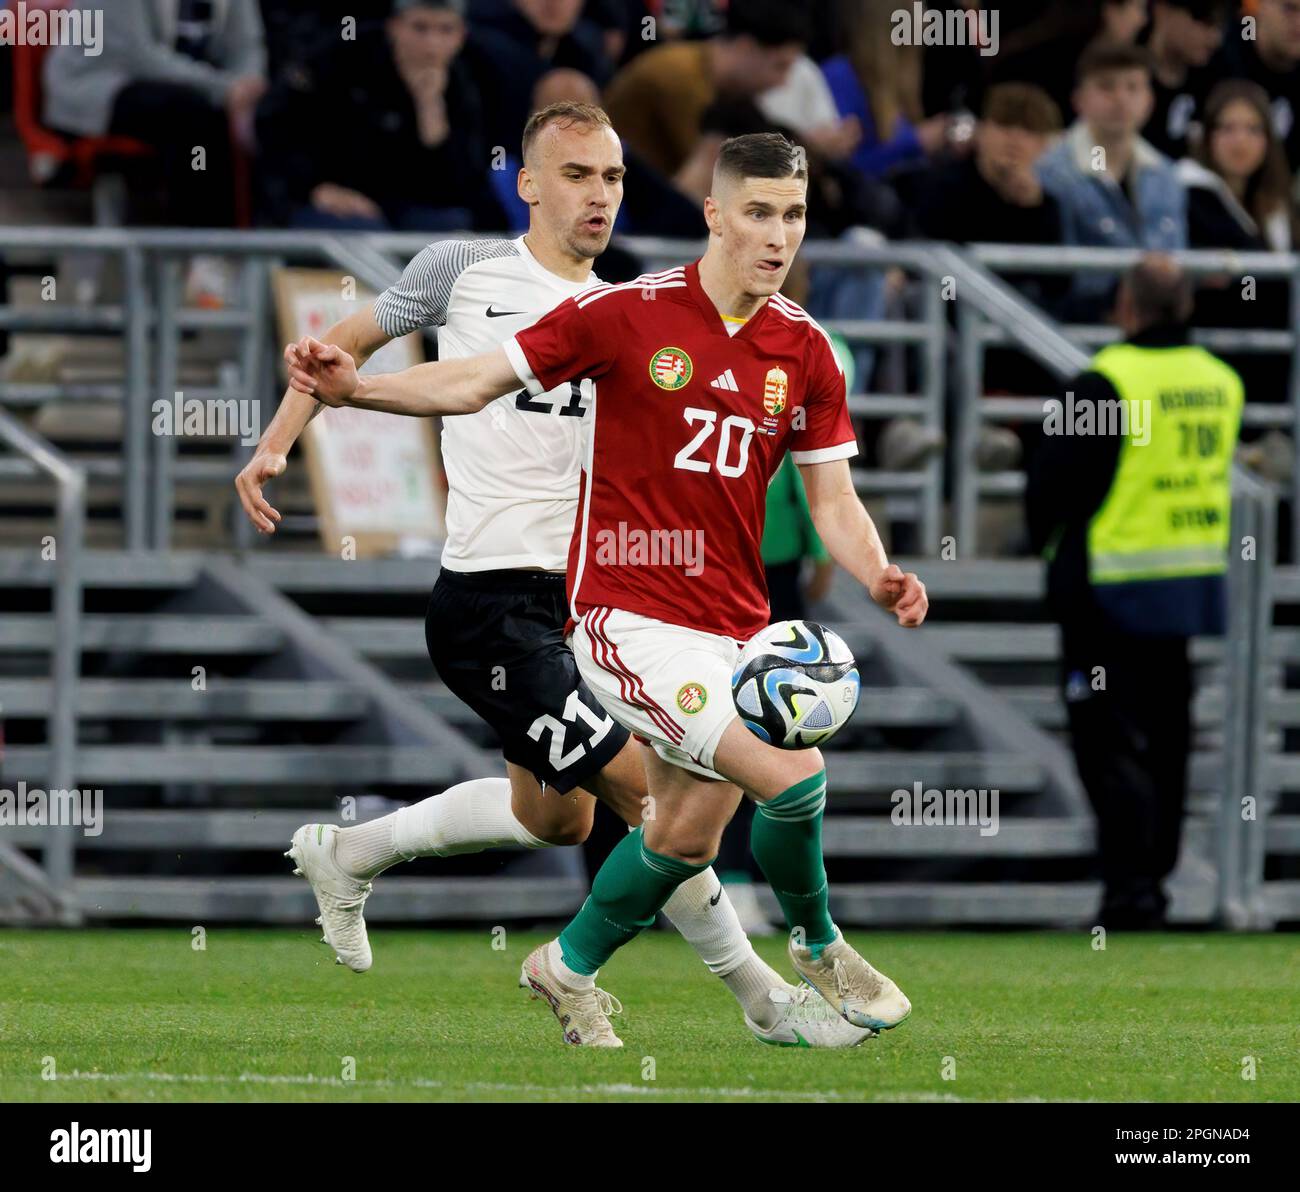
[[1128, 498], [1158, 544]]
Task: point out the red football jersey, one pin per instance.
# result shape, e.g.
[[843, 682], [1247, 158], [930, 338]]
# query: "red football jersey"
[[688, 425]]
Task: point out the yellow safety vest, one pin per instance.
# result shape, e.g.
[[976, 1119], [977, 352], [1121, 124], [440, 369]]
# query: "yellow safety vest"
[[1167, 514]]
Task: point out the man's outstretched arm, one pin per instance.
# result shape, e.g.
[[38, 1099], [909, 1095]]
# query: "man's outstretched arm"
[[850, 535], [361, 336], [461, 385]]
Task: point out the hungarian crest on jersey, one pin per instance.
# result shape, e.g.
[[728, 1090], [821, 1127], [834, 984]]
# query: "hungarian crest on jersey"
[[775, 388], [670, 368]]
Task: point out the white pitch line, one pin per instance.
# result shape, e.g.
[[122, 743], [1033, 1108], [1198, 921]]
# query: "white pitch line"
[[646, 1090]]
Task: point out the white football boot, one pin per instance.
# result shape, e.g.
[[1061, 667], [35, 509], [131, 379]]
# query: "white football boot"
[[583, 1013], [858, 992], [807, 1020], [340, 896]]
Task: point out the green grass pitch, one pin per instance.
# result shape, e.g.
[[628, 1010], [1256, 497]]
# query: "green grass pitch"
[[131, 1015]]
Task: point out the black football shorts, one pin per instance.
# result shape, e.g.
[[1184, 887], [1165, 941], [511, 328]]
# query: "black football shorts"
[[496, 638]]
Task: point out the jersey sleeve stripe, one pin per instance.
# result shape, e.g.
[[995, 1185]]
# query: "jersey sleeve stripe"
[[523, 370], [823, 455], [795, 312], [630, 285], [421, 296]]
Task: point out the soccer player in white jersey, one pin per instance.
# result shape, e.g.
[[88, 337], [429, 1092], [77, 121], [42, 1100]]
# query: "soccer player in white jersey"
[[703, 378], [513, 471]]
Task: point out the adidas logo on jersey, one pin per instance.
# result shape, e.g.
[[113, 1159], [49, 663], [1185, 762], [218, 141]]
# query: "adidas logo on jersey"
[[726, 381]]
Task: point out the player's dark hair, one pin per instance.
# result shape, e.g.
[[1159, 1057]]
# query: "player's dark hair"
[[1103, 54], [762, 155], [567, 112], [771, 23]]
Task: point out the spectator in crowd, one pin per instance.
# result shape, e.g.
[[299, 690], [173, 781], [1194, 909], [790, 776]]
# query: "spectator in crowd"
[[1238, 183], [552, 33], [878, 84], [1272, 59], [1182, 39], [657, 100], [995, 196], [405, 148], [1136, 568], [513, 43], [1238, 197], [175, 74], [1114, 189], [804, 105]]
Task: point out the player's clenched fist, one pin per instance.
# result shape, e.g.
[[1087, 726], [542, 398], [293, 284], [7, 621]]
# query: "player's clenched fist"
[[323, 371], [264, 466], [902, 594]]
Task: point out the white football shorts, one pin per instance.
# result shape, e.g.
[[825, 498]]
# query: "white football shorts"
[[668, 685]]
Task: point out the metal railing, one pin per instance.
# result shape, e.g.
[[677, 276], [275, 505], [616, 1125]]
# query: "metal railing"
[[1248, 796], [61, 731], [152, 321]]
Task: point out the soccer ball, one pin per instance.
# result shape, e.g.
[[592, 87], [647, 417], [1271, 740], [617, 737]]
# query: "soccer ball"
[[795, 684]]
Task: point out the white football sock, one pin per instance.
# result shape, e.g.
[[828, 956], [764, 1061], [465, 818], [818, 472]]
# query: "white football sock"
[[469, 817], [714, 931], [572, 978]]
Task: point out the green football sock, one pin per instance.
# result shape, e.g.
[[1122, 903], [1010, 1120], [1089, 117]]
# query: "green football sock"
[[628, 892], [786, 840]]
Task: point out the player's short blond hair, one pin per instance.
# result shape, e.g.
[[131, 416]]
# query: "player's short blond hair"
[[566, 112]]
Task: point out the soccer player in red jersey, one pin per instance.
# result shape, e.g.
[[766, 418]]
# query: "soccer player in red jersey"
[[703, 377]]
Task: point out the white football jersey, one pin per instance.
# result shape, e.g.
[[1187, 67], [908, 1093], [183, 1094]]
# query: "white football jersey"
[[512, 468]]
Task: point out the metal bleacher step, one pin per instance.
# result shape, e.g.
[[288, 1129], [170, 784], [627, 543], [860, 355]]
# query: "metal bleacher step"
[[196, 828], [380, 637], [878, 836], [147, 633], [241, 765], [997, 642], [904, 904], [176, 699], [108, 569], [289, 899]]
